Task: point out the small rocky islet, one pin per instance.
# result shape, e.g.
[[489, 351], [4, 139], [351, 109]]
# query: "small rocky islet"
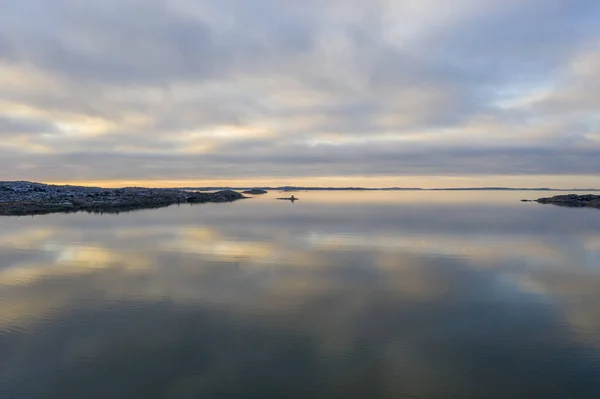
[[573, 200], [27, 198]]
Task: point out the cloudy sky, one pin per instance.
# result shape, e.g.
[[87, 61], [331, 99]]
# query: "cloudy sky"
[[321, 92]]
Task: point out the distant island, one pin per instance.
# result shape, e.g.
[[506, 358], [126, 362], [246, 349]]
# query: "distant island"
[[255, 191], [21, 198]]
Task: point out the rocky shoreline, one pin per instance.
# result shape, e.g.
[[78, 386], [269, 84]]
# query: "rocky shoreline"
[[573, 201], [26, 198]]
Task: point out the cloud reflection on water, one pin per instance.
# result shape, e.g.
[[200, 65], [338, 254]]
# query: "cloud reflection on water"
[[393, 306]]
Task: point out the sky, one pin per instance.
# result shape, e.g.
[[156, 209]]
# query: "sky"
[[428, 93]]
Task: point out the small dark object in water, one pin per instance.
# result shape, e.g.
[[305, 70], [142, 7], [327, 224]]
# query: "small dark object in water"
[[292, 198], [526, 200]]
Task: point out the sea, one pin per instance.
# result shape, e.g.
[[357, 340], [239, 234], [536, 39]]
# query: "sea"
[[341, 294]]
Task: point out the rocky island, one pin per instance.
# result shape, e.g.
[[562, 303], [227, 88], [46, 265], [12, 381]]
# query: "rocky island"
[[573, 200], [26, 198]]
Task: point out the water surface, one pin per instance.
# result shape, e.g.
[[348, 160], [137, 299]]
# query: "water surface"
[[338, 295]]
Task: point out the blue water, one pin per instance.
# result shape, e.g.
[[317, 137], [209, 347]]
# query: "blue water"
[[338, 295]]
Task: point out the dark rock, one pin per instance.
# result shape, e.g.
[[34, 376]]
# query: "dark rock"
[[219, 196], [573, 200], [255, 191]]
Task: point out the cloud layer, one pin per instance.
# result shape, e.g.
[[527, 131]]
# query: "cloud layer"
[[186, 90]]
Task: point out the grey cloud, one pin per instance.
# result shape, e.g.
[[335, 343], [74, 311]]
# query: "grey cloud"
[[325, 160], [188, 66], [524, 40], [135, 41], [22, 126]]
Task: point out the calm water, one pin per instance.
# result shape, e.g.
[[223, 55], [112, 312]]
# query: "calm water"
[[339, 295]]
